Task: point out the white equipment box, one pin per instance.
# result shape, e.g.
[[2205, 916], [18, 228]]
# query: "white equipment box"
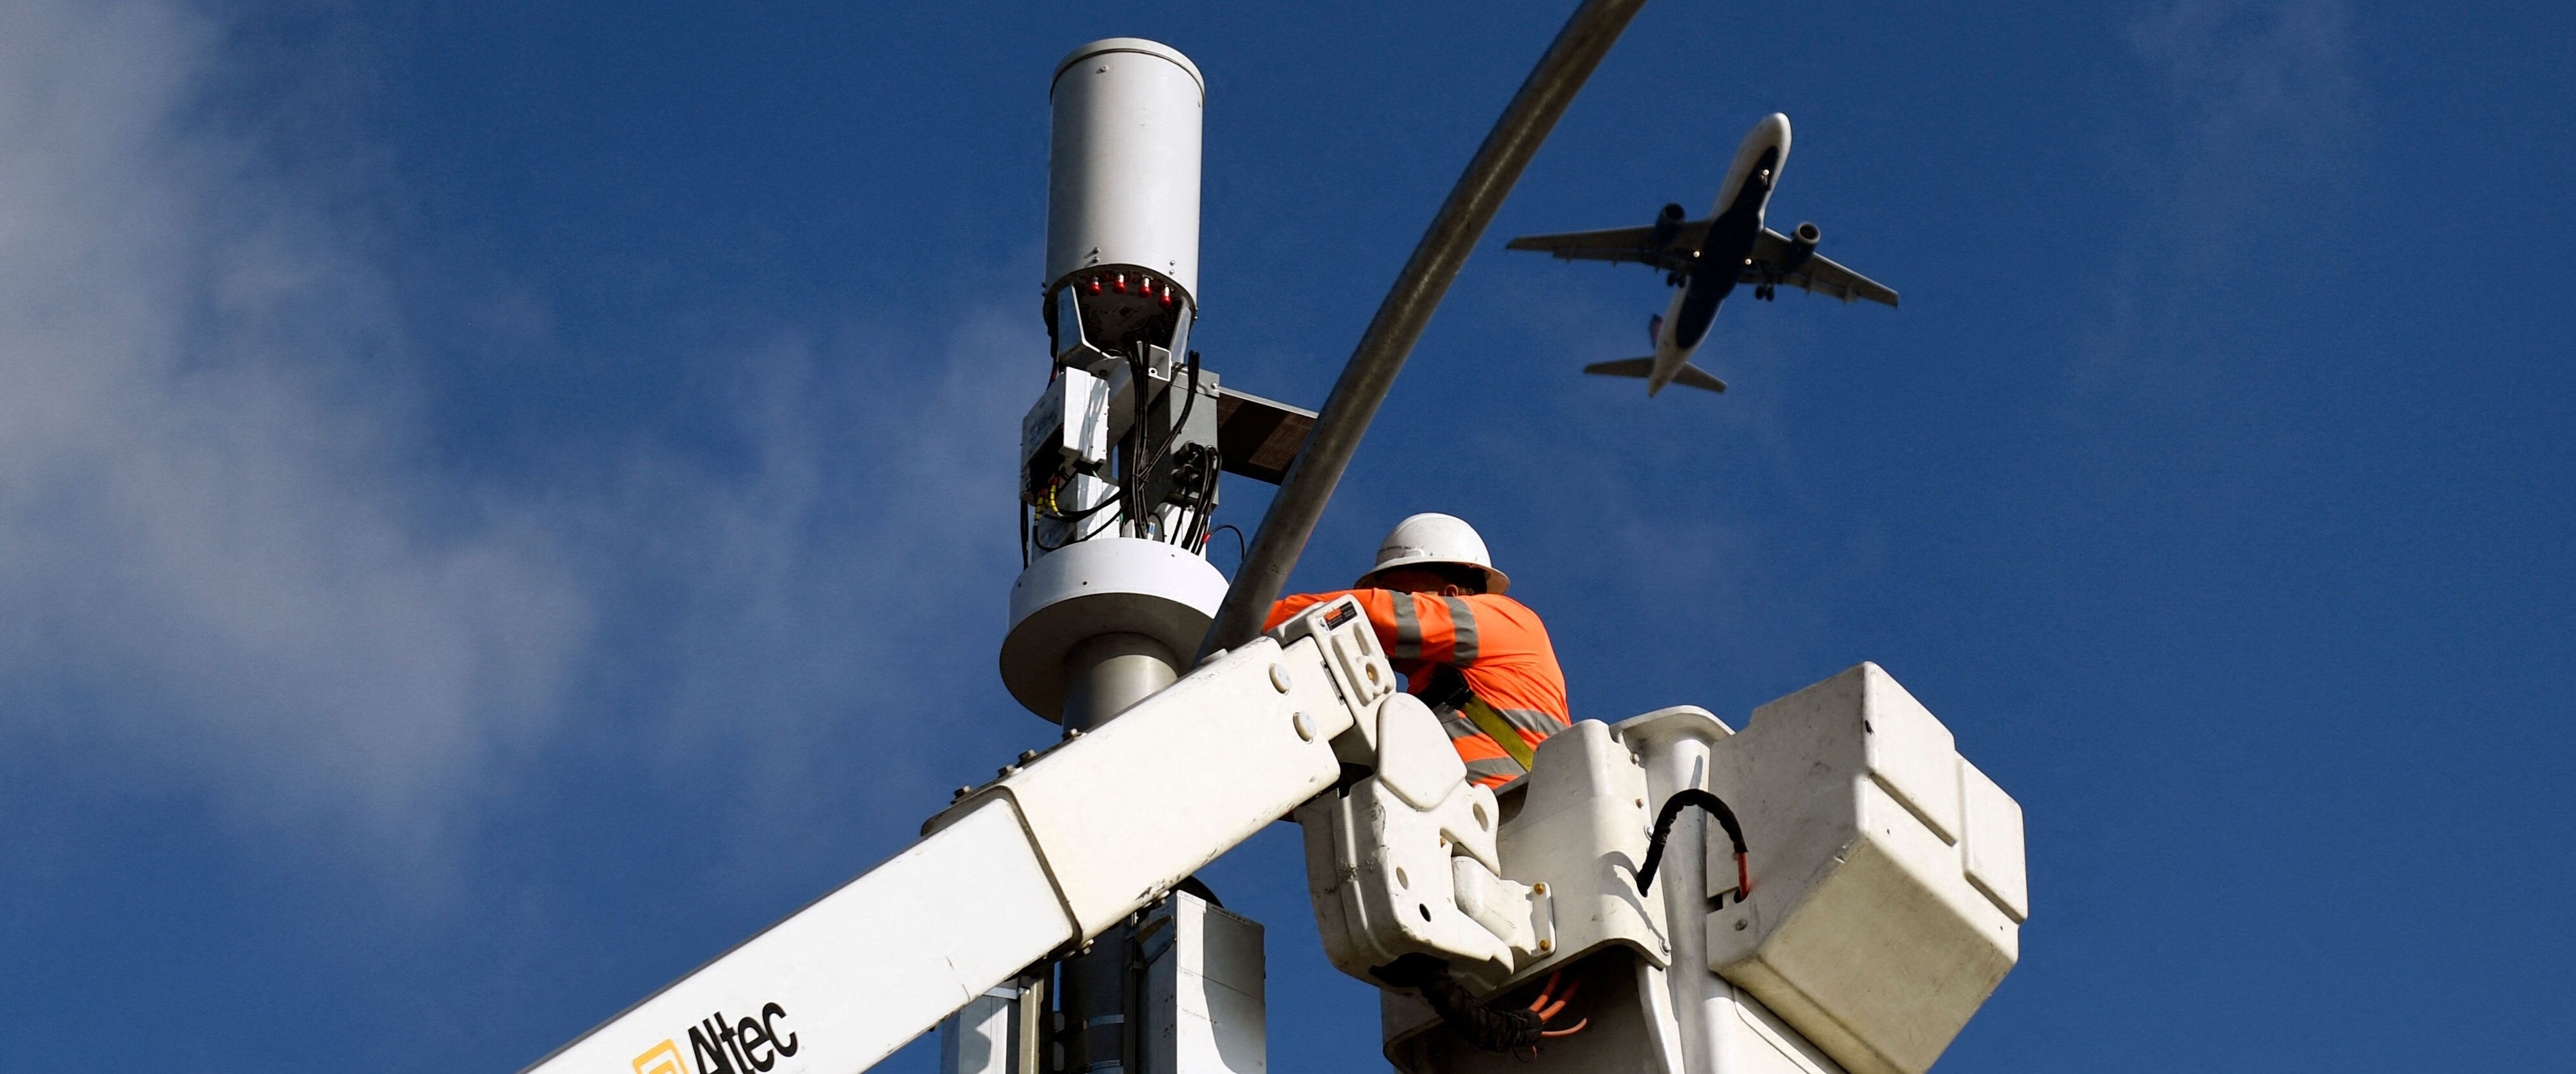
[[1888, 888], [1203, 990]]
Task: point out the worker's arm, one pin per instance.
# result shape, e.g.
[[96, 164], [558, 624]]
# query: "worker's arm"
[[1416, 628]]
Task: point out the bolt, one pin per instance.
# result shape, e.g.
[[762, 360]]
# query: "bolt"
[[1072, 733], [1027, 756], [1007, 771], [961, 793], [1546, 945], [1305, 726], [1540, 887], [1739, 924], [1279, 677]]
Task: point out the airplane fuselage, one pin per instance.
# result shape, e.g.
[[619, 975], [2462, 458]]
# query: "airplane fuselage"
[[1735, 224]]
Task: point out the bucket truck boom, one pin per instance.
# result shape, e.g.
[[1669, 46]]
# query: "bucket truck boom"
[[1055, 850]]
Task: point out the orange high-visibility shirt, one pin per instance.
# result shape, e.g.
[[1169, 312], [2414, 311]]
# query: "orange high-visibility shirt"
[[1496, 644]]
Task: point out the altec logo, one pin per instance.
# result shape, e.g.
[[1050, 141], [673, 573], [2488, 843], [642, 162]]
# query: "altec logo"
[[719, 1046]]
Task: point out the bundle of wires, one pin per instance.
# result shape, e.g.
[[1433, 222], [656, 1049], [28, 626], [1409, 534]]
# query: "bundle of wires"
[[1190, 532], [1487, 1028], [1049, 511]]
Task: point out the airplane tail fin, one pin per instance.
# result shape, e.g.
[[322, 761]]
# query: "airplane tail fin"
[[1625, 367], [1641, 368], [1698, 378]]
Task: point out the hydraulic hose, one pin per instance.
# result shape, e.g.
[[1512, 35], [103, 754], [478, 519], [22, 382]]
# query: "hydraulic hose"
[[1672, 810]]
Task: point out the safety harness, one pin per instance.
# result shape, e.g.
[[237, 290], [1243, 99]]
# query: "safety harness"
[[1450, 695]]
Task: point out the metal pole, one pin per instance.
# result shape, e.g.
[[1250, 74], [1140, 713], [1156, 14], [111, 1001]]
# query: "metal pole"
[[1400, 319]]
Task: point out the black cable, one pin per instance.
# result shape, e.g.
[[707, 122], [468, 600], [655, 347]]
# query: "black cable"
[[1145, 474], [1195, 516], [1664, 818], [1206, 492], [1238, 540], [1479, 1025], [1072, 522], [1190, 403], [1073, 530], [1129, 495], [1194, 536], [1078, 516]]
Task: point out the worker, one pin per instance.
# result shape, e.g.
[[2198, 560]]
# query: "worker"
[[1480, 659]]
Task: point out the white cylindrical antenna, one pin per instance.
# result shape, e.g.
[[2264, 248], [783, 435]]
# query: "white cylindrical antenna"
[[1123, 196], [1103, 615]]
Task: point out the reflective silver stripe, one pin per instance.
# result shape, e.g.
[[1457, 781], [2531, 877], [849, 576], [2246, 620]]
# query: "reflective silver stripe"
[[1462, 626], [1478, 771], [1532, 721], [1408, 629], [1458, 726]]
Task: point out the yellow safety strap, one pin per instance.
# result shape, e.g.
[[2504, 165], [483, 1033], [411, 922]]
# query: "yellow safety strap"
[[1501, 730]]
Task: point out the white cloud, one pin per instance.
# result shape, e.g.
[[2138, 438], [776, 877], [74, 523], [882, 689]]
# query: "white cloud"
[[856, 575], [230, 562], [2265, 97], [2264, 115], [2248, 67], [219, 556]]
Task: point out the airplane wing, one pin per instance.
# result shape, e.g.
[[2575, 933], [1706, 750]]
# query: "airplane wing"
[[1818, 274], [1620, 244]]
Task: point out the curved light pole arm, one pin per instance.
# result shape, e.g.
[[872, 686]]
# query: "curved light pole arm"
[[1400, 319]]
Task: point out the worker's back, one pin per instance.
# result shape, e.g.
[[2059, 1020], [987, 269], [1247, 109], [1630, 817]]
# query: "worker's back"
[[1482, 660]]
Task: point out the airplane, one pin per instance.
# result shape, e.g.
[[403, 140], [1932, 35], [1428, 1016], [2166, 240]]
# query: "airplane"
[[1706, 259]]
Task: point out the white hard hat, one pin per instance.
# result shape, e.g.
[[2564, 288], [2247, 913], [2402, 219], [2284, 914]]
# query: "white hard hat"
[[1432, 538]]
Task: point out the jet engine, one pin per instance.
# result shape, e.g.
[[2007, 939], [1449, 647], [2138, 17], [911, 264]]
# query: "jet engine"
[[1668, 223], [1802, 244]]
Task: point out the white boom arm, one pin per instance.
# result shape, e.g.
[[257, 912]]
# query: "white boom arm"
[[1034, 863]]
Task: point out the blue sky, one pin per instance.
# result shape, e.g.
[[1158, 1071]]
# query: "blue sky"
[[497, 503]]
